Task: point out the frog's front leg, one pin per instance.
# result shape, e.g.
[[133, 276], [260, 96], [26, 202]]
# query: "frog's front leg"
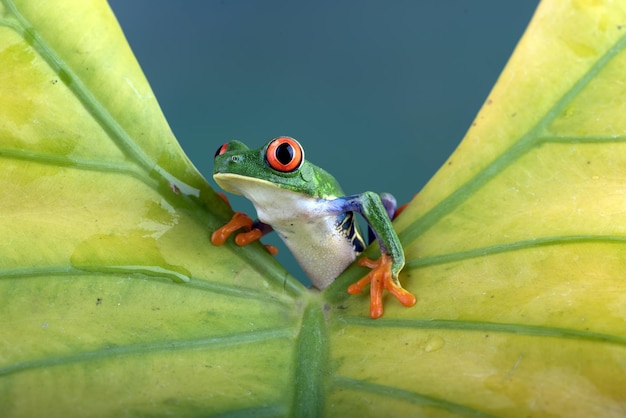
[[254, 230], [385, 271]]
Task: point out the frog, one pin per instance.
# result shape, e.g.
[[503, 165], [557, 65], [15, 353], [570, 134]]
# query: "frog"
[[307, 208]]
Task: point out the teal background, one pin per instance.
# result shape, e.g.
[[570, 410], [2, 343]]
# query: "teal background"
[[379, 93]]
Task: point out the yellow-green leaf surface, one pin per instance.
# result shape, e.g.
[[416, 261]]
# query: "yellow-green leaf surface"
[[113, 302]]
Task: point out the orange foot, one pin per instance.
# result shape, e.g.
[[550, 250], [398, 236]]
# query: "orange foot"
[[381, 278], [238, 221]]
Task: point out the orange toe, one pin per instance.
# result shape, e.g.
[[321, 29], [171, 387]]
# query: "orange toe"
[[271, 249], [238, 221], [245, 238], [381, 278]]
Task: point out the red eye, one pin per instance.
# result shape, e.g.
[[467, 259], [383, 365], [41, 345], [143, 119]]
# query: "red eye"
[[221, 149], [284, 154]]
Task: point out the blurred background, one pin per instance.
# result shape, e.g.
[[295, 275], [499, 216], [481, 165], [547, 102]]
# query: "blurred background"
[[379, 93]]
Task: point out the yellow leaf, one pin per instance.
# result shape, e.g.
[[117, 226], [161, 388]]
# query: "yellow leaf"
[[516, 247], [114, 302]]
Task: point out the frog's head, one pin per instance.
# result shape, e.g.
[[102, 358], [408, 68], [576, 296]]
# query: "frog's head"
[[280, 163]]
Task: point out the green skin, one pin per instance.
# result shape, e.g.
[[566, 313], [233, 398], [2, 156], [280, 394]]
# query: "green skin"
[[306, 207]]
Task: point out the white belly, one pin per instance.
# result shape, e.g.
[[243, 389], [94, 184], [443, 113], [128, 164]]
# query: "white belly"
[[322, 252], [307, 225]]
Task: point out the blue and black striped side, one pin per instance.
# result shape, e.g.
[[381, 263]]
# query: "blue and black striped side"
[[346, 225]]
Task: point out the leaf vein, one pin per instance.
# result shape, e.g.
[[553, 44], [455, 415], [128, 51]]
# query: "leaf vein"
[[513, 246], [247, 337], [495, 327], [412, 397], [156, 276]]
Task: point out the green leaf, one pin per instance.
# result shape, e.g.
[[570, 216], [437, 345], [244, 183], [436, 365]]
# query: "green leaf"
[[114, 302]]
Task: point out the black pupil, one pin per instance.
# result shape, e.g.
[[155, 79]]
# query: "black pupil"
[[284, 153]]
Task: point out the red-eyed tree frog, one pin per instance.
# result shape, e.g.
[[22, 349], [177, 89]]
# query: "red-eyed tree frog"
[[306, 207]]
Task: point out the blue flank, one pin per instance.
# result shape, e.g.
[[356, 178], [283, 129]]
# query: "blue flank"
[[346, 226]]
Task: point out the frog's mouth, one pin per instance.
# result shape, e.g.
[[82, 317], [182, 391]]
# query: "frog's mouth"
[[237, 184]]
